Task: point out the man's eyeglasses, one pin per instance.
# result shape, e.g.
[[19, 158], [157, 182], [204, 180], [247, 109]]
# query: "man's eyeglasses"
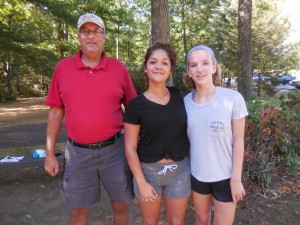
[[96, 33]]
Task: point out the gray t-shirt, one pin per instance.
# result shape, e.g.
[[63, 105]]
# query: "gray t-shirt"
[[210, 133]]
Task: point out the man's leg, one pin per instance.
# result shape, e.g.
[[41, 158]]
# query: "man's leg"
[[120, 212], [116, 179], [79, 216]]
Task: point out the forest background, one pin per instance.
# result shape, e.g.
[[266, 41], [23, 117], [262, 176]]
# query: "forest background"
[[36, 34]]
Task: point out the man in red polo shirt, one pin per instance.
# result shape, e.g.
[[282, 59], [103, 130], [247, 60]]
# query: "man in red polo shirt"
[[88, 90]]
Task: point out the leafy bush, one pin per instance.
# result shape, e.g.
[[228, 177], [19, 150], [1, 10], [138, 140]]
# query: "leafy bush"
[[272, 138], [5, 96], [29, 90]]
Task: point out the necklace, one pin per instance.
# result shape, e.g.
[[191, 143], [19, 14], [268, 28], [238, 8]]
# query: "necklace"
[[159, 99], [157, 96]]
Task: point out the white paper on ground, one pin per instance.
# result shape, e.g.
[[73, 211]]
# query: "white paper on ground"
[[12, 159]]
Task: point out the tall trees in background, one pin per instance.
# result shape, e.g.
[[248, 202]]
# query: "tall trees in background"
[[35, 34], [24, 56], [271, 52], [160, 25], [245, 48]]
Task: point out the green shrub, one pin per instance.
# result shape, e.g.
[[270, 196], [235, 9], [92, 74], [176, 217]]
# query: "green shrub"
[[5, 96], [272, 138]]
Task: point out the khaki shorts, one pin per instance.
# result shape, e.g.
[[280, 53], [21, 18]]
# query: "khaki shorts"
[[172, 180], [86, 170]]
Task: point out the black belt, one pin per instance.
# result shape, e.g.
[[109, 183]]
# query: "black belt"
[[100, 144]]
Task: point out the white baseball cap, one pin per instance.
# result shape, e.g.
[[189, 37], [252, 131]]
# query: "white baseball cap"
[[90, 17]]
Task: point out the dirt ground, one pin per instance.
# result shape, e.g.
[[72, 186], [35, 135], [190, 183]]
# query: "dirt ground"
[[23, 111], [31, 197]]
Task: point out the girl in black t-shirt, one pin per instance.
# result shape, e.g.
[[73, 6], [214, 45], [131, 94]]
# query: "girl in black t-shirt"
[[156, 143]]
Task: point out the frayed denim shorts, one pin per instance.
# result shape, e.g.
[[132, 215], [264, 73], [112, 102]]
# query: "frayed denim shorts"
[[172, 180]]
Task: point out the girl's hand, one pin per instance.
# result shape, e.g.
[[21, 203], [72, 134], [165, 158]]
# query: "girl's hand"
[[147, 191], [237, 190]]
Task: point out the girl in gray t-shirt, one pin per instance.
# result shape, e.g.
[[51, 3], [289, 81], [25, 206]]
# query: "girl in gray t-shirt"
[[216, 124]]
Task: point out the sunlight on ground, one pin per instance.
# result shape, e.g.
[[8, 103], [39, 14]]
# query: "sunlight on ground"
[[27, 110], [5, 111]]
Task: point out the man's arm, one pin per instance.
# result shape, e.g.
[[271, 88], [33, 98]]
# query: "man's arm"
[[55, 117]]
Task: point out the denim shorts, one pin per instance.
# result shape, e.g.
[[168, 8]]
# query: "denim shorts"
[[172, 180], [220, 190], [86, 170]]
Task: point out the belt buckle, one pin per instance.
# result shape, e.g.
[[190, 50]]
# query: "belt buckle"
[[95, 146]]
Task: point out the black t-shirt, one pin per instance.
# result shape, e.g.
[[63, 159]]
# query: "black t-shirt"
[[162, 127]]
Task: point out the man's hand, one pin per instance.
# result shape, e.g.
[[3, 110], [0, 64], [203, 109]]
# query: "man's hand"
[[55, 117], [51, 165]]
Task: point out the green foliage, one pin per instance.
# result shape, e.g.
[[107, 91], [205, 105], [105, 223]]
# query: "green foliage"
[[37, 33], [291, 105], [138, 77], [178, 79], [269, 46], [5, 95], [272, 138]]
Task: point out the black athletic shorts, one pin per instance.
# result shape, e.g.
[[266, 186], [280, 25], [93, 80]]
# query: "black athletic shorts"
[[220, 190]]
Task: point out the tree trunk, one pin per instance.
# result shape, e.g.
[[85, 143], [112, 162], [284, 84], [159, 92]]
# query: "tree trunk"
[[128, 44], [18, 84], [117, 40], [160, 24], [245, 48], [16, 71], [7, 71], [183, 28], [60, 29]]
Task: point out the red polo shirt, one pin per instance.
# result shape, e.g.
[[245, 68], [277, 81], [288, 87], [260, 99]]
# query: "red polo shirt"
[[91, 97]]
